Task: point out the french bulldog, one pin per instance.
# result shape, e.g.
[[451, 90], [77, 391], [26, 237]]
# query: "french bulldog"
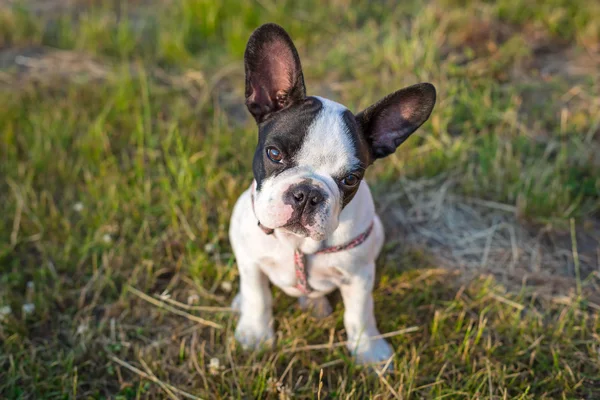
[[308, 223]]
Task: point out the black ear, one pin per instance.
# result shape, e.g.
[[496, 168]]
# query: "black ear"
[[389, 122], [274, 77]]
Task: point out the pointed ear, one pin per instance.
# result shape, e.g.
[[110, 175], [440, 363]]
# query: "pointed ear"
[[274, 77], [389, 122]]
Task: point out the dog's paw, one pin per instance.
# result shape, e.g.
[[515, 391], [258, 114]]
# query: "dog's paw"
[[252, 335], [377, 353], [319, 307]]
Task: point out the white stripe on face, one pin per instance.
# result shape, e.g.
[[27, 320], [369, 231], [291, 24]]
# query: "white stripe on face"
[[328, 148]]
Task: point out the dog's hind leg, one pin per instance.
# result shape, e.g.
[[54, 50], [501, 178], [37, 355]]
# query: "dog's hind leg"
[[319, 307]]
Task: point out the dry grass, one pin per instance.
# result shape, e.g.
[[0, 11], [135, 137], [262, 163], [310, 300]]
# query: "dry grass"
[[482, 236]]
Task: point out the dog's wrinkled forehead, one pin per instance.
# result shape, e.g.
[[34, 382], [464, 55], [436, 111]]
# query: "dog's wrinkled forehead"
[[318, 135]]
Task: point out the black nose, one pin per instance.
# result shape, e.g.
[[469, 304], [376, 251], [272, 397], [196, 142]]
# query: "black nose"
[[304, 196]]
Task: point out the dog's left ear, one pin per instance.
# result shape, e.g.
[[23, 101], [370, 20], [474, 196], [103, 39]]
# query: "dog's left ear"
[[389, 122], [274, 77]]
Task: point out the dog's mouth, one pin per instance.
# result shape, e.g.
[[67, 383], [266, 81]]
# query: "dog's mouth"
[[295, 227], [298, 229]]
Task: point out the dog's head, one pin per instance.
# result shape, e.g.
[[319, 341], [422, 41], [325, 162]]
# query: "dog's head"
[[312, 153]]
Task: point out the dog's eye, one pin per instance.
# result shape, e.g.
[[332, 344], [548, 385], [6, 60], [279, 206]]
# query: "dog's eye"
[[274, 155], [350, 180]]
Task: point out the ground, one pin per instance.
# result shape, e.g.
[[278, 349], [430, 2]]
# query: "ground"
[[125, 144]]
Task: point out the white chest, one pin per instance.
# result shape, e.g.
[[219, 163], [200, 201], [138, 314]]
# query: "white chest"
[[325, 272]]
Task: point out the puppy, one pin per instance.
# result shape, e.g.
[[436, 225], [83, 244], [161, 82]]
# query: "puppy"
[[307, 223]]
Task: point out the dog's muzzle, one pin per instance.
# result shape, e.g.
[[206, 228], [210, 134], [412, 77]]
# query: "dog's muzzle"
[[307, 201]]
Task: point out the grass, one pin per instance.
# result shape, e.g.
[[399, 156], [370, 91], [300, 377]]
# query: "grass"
[[125, 145]]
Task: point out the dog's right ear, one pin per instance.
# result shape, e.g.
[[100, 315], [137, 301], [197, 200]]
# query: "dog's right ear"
[[274, 77]]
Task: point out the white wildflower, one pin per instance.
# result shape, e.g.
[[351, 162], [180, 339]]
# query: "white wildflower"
[[193, 299], [226, 286], [5, 311], [214, 366], [82, 328], [28, 308], [209, 248]]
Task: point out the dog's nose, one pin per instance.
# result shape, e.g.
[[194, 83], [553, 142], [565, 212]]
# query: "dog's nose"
[[305, 197]]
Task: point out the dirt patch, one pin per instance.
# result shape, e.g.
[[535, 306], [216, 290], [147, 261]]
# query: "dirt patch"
[[482, 36], [567, 62], [486, 237], [19, 66]]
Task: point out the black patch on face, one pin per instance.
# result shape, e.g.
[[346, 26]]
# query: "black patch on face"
[[361, 151], [285, 131]]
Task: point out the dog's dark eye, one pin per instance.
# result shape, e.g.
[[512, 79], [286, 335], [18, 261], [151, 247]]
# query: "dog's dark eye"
[[274, 155], [350, 180]]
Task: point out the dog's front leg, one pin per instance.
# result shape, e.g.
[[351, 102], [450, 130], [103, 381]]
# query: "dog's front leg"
[[255, 326], [359, 319]]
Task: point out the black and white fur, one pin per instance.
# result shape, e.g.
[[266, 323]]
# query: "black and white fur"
[[308, 187]]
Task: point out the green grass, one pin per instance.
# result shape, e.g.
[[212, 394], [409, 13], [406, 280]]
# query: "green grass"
[[127, 179]]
